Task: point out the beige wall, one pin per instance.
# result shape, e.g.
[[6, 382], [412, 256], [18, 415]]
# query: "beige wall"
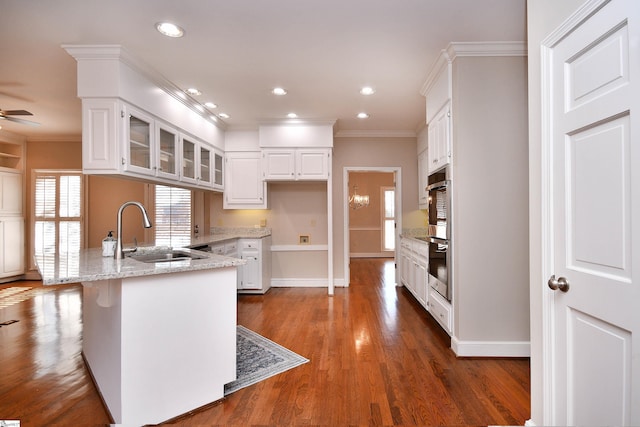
[[377, 152], [294, 209], [103, 195]]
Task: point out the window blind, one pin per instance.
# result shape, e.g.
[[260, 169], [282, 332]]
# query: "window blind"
[[172, 216]]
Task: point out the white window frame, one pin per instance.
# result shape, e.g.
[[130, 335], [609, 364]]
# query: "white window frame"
[[35, 174], [384, 218]]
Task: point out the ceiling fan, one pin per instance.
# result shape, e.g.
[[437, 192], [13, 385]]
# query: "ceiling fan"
[[8, 115]]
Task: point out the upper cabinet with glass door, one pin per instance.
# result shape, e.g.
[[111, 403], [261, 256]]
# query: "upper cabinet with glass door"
[[139, 149], [188, 161], [145, 147], [167, 152]]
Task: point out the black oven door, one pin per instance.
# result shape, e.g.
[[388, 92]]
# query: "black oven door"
[[439, 266]]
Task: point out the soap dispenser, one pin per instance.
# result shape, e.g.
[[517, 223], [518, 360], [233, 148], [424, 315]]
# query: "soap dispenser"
[[108, 245]]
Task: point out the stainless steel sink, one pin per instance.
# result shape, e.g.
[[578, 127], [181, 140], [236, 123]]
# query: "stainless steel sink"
[[166, 256]]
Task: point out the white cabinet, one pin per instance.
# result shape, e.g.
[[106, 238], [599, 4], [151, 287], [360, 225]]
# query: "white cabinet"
[[413, 268], [12, 238], [255, 275], [297, 164], [11, 246], [139, 134], [167, 154], [440, 309], [244, 186], [199, 162], [11, 190], [423, 179], [439, 152], [119, 139]]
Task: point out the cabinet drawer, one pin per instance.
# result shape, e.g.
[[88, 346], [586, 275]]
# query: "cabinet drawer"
[[231, 247], [217, 249], [421, 249], [249, 244], [440, 309]]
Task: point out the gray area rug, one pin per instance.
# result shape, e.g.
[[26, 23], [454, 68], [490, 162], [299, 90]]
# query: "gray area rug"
[[259, 358]]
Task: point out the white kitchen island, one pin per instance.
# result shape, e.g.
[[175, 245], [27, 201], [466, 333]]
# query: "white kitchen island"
[[158, 338]]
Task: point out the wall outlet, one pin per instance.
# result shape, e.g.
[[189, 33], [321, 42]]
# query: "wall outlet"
[[304, 239], [263, 223]]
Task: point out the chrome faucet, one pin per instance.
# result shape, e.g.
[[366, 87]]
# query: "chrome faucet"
[[119, 254]]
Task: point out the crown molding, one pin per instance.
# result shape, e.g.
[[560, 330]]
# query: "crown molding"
[[462, 49], [11, 137], [375, 134], [55, 138], [119, 53]]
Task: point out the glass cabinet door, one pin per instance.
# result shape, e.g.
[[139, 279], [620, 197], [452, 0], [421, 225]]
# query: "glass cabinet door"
[[167, 153], [139, 144], [205, 166], [188, 160], [217, 170]]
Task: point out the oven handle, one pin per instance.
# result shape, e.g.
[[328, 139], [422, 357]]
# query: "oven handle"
[[438, 185], [440, 240]]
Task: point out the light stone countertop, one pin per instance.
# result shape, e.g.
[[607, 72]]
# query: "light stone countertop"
[[89, 265]]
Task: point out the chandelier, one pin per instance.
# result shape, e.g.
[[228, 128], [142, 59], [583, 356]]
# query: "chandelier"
[[357, 201]]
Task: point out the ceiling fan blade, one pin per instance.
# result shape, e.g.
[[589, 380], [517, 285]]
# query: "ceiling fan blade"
[[15, 113], [24, 122]]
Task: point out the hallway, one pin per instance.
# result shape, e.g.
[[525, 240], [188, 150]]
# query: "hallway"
[[376, 358]]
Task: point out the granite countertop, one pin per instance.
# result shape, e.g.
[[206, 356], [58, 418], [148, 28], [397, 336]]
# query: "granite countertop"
[[89, 265], [221, 234]]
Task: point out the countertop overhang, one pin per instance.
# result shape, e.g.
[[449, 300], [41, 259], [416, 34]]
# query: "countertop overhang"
[[88, 265]]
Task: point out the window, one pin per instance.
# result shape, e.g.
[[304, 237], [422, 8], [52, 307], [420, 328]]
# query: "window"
[[389, 218], [57, 217], [172, 216]]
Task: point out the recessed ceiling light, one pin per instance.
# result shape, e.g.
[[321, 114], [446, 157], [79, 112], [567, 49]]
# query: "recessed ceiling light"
[[279, 91], [210, 105], [193, 91], [363, 116], [292, 115], [367, 90], [223, 115], [169, 29]]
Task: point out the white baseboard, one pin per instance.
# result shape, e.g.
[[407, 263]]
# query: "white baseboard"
[[490, 348], [529, 423]]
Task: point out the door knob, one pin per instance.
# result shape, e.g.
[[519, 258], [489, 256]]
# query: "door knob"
[[561, 283]]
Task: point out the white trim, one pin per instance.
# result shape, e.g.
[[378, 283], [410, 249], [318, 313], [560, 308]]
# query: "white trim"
[[455, 49], [375, 134], [397, 171], [490, 348], [513, 48], [298, 283]]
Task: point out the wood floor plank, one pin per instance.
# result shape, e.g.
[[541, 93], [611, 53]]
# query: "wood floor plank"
[[376, 358]]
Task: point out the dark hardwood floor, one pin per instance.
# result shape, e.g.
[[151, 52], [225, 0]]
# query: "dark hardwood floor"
[[376, 358]]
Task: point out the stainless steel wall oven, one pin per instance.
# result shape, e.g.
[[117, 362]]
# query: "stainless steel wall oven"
[[439, 234]]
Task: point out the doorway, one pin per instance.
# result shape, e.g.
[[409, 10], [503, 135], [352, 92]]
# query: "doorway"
[[371, 229]]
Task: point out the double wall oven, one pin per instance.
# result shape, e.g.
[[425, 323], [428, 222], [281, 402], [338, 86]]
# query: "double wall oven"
[[438, 234]]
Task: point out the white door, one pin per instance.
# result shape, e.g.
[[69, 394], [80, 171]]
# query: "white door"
[[594, 233]]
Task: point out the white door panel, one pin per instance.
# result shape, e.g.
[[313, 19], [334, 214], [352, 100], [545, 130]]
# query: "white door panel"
[[594, 217]]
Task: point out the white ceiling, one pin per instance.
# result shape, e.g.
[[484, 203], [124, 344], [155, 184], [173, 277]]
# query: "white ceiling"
[[235, 51]]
